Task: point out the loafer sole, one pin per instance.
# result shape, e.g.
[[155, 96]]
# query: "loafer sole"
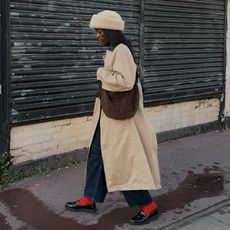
[[154, 216]]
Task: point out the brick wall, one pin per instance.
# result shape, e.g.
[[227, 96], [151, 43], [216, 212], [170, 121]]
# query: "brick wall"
[[35, 141]]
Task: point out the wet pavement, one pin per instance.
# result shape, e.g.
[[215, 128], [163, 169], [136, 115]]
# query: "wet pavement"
[[195, 174]]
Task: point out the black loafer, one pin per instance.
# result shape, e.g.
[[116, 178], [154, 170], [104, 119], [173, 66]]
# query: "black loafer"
[[76, 207], [141, 218]]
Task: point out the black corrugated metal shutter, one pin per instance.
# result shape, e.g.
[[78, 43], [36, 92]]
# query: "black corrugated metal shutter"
[[55, 55], [184, 49]]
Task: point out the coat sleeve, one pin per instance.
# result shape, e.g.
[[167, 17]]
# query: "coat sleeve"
[[123, 74]]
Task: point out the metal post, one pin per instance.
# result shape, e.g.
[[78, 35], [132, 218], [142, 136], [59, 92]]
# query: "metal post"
[[223, 97], [141, 45], [5, 77]]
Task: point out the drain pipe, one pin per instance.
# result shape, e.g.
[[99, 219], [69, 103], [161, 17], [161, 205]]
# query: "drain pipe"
[[222, 120], [141, 45]]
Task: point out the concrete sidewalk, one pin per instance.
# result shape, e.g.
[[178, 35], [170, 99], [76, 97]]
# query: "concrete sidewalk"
[[195, 174], [215, 218]]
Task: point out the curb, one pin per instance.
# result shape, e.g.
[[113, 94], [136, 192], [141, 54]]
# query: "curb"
[[192, 217]]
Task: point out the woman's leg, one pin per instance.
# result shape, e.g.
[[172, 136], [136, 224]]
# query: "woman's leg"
[[95, 188], [137, 197]]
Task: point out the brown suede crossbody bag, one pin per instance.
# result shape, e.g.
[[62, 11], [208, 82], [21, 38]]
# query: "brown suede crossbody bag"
[[120, 105]]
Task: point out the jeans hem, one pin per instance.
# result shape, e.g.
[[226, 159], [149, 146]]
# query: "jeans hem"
[[95, 200], [139, 205]]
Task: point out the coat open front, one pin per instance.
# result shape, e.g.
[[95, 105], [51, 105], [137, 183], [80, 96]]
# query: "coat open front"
[[128, 147]]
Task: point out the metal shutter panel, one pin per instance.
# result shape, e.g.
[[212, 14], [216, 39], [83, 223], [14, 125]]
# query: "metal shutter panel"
[[184, 49], [55, 55]]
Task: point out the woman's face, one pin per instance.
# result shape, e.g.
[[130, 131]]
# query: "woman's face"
[[101, 36]]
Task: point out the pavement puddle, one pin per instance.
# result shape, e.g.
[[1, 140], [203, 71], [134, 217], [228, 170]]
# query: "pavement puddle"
[[194, 187], [26, 207]]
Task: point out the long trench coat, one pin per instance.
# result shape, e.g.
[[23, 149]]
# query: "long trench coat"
[[128, 147]]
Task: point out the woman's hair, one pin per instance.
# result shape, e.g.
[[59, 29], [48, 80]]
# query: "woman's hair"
[[116, 37]]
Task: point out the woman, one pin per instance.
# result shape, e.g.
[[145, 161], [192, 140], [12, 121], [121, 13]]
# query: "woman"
[[123, 153]]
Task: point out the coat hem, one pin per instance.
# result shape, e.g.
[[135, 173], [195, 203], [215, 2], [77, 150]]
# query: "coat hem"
[[125, 188]]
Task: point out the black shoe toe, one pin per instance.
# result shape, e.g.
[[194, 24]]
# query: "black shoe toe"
[[141, 218], [76, 207]]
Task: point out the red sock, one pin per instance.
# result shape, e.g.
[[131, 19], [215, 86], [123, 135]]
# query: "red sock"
[[85, 201], [149, 208]]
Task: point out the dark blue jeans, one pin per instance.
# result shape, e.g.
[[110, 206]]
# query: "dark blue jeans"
[[96, 188]]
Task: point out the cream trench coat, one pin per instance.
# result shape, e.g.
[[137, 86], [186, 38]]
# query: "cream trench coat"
[[128, 147]]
